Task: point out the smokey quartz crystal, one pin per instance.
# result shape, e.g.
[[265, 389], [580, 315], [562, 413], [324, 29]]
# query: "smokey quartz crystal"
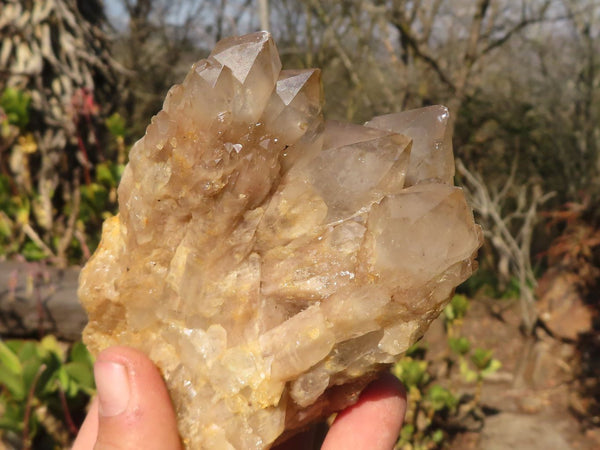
[[271, 263]]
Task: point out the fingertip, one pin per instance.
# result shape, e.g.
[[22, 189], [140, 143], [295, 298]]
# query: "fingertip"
[[113, 387], [374, 422], [134, 408], [128, 356], [386, 386]]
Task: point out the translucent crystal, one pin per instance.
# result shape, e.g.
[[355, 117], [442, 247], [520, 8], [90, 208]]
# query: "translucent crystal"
[[431, 156], [270, 263]]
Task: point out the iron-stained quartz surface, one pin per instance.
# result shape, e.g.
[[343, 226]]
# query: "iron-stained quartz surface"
[[271, 263]]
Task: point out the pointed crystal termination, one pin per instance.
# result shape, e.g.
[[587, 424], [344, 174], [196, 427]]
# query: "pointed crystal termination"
[[271, 263], [255, 66], [431, 157]]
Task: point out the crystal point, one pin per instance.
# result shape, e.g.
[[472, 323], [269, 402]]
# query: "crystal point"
[[271, 263], [255, 66], [431, 157]]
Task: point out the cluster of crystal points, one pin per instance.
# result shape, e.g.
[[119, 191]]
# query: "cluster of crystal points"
[[271, 263]]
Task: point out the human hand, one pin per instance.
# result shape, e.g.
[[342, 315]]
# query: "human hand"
[[133, 411]]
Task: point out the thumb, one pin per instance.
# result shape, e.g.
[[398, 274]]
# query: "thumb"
[[133, 409]]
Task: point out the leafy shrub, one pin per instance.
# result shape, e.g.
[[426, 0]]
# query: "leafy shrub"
[[44, 390], [15, 104], [431, 405], [62, 224]]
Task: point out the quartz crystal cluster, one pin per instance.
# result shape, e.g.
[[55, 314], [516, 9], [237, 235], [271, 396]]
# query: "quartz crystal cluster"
[[271, 263]]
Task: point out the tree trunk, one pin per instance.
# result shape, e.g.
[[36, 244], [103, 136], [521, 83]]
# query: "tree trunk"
[[36, 300]]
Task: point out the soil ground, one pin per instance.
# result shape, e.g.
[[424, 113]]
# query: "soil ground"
[[538, 399]]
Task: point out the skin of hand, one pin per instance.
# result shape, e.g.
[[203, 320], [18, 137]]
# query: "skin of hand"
[[133, 411]]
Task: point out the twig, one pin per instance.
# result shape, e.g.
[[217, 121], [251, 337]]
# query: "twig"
[[524, 23], [31, 233], [72, 223], [8, 141], [410, 40], [28, 405], [65, 406], [263, 6], [85, 163], [514, 248], [346, 60], [80, 236]]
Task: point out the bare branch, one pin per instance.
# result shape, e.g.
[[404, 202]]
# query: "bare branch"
[[64, 242], [345, 58], [263, 6], [32, 234], [520, 26], [411, 41], [513, 245], [475, 32]]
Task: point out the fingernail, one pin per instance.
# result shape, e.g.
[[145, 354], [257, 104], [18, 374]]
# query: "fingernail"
[[112, 384]]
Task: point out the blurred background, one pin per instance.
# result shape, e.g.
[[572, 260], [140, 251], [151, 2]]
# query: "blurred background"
[[514, 361]]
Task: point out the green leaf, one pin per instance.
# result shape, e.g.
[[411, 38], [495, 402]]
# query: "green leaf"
[[30, 370], [437, 436], [12, 415], [117, 171], [459, 345], [481, 358], [492, 367], [48, 381], [63, 378], [449, 313], [50, 344], [411, 372], [441, 398], [468, 375], [32, 252], [105, 175], [15, 104], [9, 361], [27, 351], [5, 227], [513, 290], [14, 383], [81, 373], [116, 125], [22, 212], [96, 195], [460, 306], [407, 432], [80, 354], [11, 372]]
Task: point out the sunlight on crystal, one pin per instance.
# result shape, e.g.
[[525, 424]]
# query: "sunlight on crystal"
[[271, 263]]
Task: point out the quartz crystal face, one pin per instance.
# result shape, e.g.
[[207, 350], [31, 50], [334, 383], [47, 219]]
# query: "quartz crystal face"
[[271, 263]]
